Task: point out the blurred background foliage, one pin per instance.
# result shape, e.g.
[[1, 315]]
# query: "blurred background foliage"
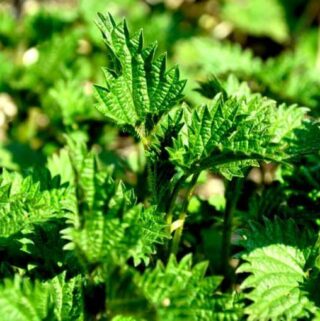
[[51, 54]]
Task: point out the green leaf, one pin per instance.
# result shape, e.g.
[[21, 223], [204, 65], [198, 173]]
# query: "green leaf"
[[117, 230], [280, 260], [230, 135], [20, 300], [105, 224], [139, 87], [67, 298], [179, 291], [58, 299], [28, 200]]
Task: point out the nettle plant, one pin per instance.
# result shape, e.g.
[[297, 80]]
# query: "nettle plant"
[[77, 245]]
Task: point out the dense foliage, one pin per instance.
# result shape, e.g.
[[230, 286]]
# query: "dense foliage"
[[168, 186]]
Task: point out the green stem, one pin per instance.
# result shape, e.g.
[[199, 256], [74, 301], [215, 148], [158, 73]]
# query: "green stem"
[[183, 215], [173, 199], [232, 195]]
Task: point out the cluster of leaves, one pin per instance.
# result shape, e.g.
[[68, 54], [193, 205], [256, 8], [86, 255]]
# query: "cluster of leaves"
[[115, 223]]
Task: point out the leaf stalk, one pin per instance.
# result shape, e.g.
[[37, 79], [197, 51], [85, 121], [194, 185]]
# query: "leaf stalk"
[[183, 214], [232, 195]]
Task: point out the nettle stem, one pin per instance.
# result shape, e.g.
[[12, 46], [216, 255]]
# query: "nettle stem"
[[232, 195], [183, 214], [173, 199]]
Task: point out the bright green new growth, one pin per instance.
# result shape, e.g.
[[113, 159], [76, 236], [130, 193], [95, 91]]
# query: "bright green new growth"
[[139, 88], [28, 200], [233, 132], [239, 129], [107, 224]]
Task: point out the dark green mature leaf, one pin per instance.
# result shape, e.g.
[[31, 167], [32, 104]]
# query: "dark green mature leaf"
[[281, 260]]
